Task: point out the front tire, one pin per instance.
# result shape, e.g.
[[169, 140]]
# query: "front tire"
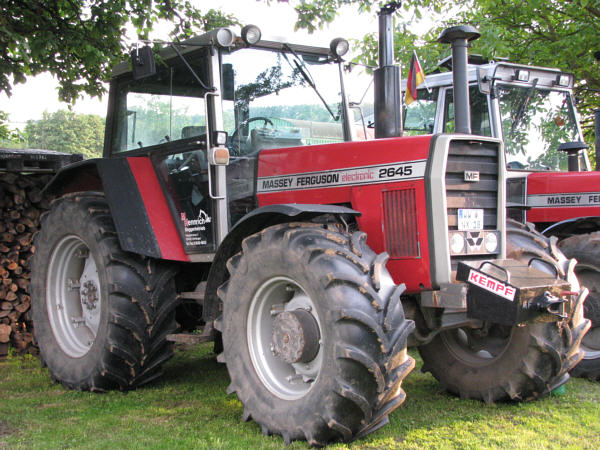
[[101, 315], [497, 362], [314, 334], [585, 249]]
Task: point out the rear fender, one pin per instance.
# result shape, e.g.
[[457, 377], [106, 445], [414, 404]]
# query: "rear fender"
[[137, 204], [77, 177]]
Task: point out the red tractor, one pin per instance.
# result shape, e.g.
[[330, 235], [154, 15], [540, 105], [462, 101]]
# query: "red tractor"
[[231, 197], [550, 184]]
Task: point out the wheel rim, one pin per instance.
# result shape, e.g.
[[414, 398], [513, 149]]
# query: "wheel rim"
[[74, 297], [286, 380], [589, 277], [480, 346]]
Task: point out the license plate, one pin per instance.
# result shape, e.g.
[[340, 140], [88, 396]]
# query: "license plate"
[[470, 219]]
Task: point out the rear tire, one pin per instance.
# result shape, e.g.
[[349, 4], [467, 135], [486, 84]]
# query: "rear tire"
[[352, 378], [585, 249], [101, 315], [510, 363]]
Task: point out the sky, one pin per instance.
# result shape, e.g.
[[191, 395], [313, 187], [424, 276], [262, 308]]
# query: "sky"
[[39, 94]]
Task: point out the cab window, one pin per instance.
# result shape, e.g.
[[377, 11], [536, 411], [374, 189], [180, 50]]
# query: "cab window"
[[480, 118], [163, 108], [419, 116]]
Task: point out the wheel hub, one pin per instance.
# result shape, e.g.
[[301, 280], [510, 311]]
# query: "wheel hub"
[[284, 338], [295, 336], [89, 295], [74, 296]]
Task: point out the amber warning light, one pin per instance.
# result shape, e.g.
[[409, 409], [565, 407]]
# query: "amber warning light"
[[219, 156]]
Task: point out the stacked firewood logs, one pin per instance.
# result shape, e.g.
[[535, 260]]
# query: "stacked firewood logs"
[[21, 205]]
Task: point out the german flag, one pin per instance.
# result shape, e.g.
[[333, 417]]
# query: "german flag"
[[415, 77]]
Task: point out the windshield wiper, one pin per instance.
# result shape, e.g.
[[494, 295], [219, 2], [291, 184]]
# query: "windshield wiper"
[[523, 107], [192, 71], [303, 70]]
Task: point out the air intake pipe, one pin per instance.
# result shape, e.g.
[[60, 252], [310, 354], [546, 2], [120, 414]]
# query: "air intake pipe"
[[459, 38], [388, 111]]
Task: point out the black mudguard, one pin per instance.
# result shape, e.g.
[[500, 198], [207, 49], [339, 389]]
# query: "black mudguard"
[[570, 227], [115, 179], [252, 223]]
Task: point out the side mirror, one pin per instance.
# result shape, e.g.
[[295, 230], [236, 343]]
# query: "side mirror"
[[142, 62], [483, 81], [228, 83]]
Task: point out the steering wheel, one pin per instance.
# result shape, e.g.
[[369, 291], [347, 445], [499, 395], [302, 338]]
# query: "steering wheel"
[[234, 137], [195, 154]]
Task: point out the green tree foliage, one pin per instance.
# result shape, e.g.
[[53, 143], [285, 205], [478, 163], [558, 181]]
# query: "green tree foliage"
[[78, 41], [68, 132], [9, 138], [315, 14], [550, 33], [4, 130]]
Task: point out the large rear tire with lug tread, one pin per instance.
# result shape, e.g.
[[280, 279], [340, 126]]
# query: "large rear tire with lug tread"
[[314, 333], [101, 315], [585, 249], [497, 362]]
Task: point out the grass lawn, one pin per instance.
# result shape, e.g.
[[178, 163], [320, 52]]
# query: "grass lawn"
[[188, 408]]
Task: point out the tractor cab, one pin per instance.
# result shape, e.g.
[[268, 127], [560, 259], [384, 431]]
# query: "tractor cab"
[[203, 109], [531, 108]]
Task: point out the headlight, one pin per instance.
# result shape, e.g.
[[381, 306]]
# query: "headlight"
[[220, 137], [339, 47], [522, 75], [563, 79], [225, 37], [251, 34], [457, 243], [491, 242]]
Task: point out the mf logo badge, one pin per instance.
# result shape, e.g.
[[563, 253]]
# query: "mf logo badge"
[[471, 175], [474, 239]]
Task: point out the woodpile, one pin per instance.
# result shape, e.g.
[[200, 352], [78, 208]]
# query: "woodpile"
[[21, 205]]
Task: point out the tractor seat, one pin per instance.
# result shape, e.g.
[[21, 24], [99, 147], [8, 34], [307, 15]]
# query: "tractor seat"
[[192, 130]]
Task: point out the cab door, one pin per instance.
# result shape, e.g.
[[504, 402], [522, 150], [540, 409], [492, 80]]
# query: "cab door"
[[163, 117]]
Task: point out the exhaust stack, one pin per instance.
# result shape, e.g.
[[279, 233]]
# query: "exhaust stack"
[[459, 38], [388, 111]]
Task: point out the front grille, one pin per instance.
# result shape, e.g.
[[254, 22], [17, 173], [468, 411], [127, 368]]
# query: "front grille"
[[483, 194], [479, 157], [400, 223]]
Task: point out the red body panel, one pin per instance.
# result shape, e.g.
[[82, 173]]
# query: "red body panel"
[[158, 211], [556, 196], [358, 184]]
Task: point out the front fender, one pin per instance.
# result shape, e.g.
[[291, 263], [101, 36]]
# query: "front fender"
[[251, 223]]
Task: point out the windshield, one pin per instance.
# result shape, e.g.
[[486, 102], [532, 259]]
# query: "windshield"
[[275, 101], [535, 122]]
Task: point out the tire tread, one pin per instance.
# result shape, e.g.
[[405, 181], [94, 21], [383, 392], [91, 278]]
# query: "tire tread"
[[141, 300], [361, 271]]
